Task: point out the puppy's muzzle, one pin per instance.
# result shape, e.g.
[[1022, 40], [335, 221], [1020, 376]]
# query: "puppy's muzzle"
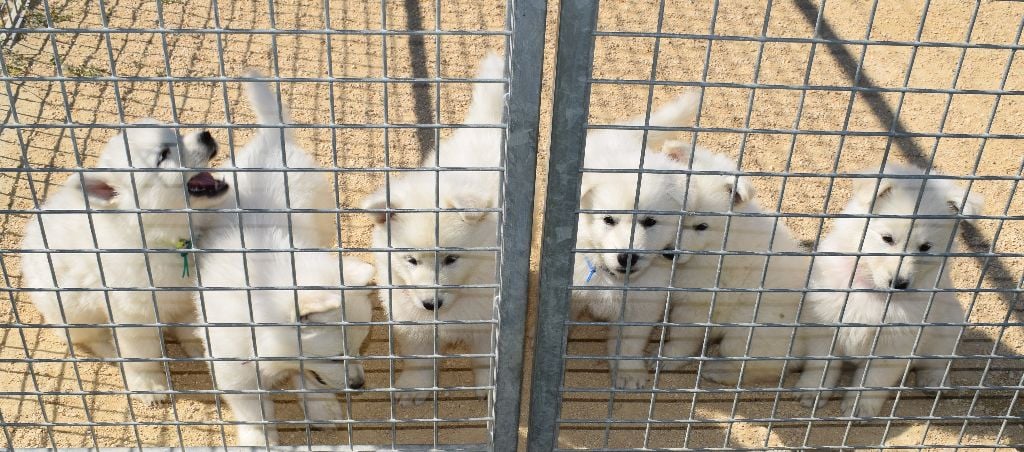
[[899, 283], [627, 260], [431, 304], [356, 382], [206, 186]]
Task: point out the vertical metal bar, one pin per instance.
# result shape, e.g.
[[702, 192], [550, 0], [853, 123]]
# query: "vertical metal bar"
[[526, 21], [576, 24]]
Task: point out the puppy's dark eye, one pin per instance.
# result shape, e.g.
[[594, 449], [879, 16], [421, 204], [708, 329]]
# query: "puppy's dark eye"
[[888, 239], [609, 220], [164, 153], [412, 260], [648, 222], [700, 227], [925, 247], [449, 259], [668, 256]]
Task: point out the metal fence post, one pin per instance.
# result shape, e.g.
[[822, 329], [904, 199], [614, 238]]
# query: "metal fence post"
[[576, 23], [526, 21]]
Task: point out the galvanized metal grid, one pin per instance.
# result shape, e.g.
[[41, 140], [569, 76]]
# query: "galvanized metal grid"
[[523, 46], [691, 413]]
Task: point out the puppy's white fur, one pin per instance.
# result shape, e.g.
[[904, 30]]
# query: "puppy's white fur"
[[624, 233], [466, 147], [923, 269], [107, 193], [312, 270], [740, 276]]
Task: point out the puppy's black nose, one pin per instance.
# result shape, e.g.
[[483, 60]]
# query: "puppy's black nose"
[[899, 283], [627, 258], [207, 140], [431, 304], [356, 384]]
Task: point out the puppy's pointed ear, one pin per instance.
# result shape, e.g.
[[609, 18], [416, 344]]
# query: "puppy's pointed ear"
[[678, 150], [740, 189], [587, 185], [357, 272], [315, 302], [467, 201], [972, 206], [867, 189], [378, 201], [99, 189]]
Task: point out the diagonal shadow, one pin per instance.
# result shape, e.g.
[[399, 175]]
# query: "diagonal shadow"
[[994, 270]]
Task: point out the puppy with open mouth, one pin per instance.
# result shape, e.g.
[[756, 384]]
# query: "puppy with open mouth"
[[125, 229]]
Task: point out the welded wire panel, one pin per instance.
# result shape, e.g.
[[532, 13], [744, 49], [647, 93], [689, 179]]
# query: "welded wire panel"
[[371, 88], [802, 99]]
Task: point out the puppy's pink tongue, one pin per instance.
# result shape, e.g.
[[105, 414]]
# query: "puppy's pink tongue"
[[203, 184]]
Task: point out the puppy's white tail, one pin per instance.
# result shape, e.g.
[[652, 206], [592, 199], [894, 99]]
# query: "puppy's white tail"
[[680, 112], [264, 102], [488, 98]]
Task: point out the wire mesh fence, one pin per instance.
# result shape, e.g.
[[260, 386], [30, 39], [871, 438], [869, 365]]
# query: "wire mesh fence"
[[204, 279], [738, 252], [807, 251]]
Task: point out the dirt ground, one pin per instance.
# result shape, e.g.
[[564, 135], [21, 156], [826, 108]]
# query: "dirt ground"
[[680, 420]]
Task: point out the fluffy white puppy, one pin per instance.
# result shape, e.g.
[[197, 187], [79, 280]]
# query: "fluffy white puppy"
[[413, 265], [905, 254], [737, 278], [631, 244], [257, 352], [91, 212]]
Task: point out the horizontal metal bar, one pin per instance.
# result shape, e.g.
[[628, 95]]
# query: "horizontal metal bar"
[[757, 420], [256, 31], [572, 357], [306, 448], [773, 290], [227, 79], [814, 132], [776, 390], [214, 125], [181, 423], [780, 86], [800, 40]]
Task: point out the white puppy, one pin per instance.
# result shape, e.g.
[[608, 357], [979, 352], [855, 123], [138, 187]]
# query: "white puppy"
[[736, 277], [905, 255], [417, 269], [257, 351], [102, 198], [603, 274]]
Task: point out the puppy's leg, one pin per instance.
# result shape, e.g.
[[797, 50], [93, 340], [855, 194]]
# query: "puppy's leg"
[[880, 373], [235, 376], [142, 375], [319, 405], [935, 341], [818, 373], [685, 341], [632, 373], [416, 373]]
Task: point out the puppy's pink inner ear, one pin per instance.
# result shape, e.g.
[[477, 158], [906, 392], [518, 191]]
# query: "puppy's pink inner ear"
[[99, 189]]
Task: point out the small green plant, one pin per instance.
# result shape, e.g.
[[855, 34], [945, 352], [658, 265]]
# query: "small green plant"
[[17, 64], [84, 70], [37, 18]]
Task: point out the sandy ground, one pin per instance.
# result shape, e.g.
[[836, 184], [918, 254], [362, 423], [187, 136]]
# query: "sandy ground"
[[714, 420]]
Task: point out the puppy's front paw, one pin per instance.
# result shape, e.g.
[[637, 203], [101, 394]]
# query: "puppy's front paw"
[[323, 407], [866, 407], [807, 399], [413, 379], [145, 382], [631, 375], [721, 372], [252, 435]]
